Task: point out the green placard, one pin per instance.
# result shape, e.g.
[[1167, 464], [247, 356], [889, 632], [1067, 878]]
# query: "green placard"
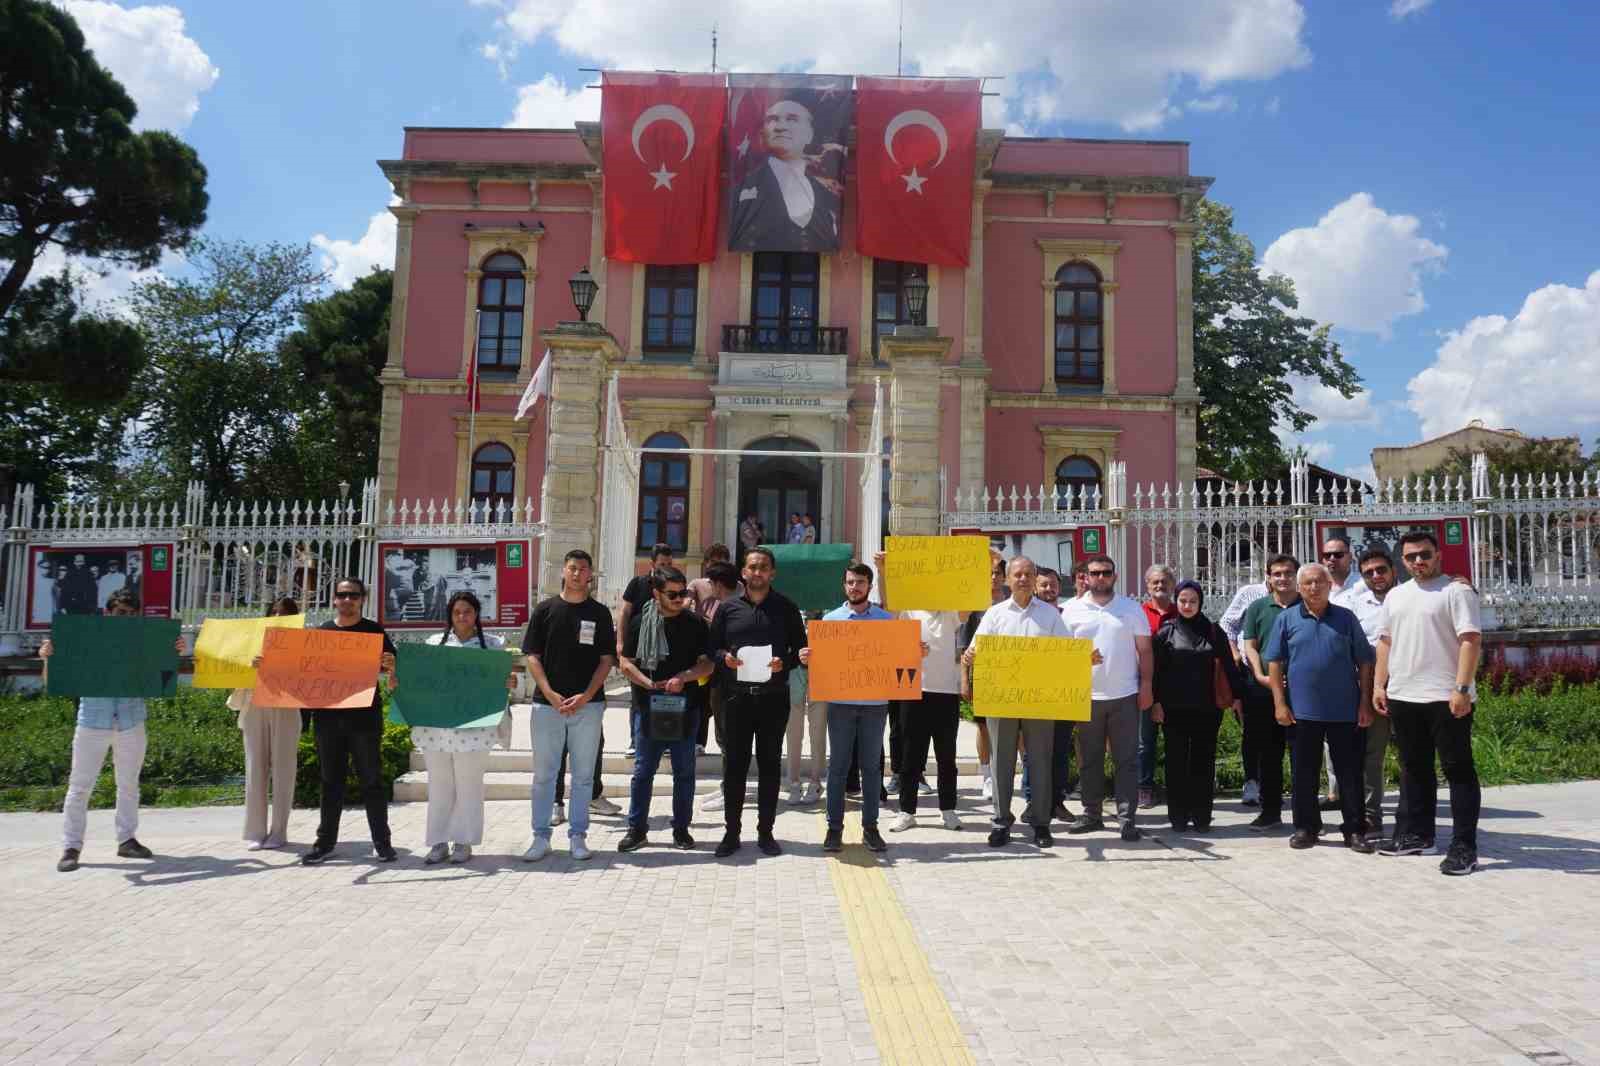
[[453, 688], [99, 655], [1091, 542], [513, 556], [812, 575]]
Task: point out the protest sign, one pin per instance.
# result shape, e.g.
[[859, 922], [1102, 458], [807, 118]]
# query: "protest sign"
[[452, 688], [317, 668], [853, 661], [226, 648], [105, 655], [1032, 677], [936, 573]]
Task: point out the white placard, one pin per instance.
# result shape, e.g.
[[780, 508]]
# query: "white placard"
[[755, 663]]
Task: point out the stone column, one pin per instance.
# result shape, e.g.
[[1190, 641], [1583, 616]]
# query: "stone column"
[[973, 376], [581, 356], [915, 356], [393, 374], [1186, 397]]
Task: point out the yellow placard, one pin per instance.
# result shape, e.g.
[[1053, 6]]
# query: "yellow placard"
[[1032, 677], [227, 646], [936, 573]]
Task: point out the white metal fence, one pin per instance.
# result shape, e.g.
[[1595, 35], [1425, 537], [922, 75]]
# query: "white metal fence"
[[1532, 547]]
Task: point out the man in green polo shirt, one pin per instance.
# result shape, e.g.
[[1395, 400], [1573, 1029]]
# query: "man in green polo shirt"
[[1258, 620]]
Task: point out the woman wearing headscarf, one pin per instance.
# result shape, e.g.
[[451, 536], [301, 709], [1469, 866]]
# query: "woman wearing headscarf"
[[271, 755], [457, 758], [1195, 678]]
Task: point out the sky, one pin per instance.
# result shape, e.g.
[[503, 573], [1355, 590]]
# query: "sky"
[[1424, 170]]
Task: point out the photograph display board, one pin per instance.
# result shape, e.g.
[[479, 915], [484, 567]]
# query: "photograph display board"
[[416, 581], [78, 579]]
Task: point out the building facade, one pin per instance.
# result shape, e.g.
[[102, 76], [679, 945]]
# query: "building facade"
[[1064, 347]]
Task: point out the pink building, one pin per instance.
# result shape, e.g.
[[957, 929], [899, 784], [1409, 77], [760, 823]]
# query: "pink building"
[[1064, 348]]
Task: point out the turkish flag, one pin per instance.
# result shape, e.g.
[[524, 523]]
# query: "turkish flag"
[[661, 137], [917, 143]]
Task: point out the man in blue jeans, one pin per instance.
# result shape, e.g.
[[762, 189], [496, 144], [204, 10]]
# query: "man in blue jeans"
[[664, 654], [854, 729], [570, 644]]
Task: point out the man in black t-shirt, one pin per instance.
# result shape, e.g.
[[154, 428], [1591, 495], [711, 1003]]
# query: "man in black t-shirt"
[[663, 655], [571, 645], [345, 736], [640, 589]]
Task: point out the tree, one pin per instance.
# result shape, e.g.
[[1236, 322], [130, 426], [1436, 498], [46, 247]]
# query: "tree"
[[1534, 458], [1248, 344]]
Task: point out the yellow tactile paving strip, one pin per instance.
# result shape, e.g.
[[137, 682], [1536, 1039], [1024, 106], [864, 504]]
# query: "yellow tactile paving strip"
[[911, 1019]]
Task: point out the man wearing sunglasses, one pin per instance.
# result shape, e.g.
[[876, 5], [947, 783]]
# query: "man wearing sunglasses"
[[1366, 601], [664, 654], [1429, 640]]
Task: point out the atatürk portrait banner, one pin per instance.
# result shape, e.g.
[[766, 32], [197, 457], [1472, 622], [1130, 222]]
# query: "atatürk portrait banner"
[[786, 153]]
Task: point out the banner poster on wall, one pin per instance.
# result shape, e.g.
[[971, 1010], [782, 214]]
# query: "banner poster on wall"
[[79, 578], [787, 137], [416, 581]]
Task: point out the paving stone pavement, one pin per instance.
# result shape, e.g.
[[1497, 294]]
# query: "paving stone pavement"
[[1229, 949]]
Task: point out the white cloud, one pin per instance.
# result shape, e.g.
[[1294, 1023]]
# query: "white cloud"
[[1329, 406], [162, 68], [1359, 267], [1538, 371], [1053, 55], [1362, 472], [105, 285], [1400, 9], [1273, 106], [1220, 102], [346, 261], [549, 104]]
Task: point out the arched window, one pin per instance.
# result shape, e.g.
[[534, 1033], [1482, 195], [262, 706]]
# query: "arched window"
[[1077, 479], [664, 494], [494, 479], [500, 301], [1078, 322]]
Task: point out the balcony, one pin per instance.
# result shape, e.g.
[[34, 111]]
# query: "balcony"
[[786, 340]]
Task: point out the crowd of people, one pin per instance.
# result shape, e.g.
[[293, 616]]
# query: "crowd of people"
[[1337, 656]]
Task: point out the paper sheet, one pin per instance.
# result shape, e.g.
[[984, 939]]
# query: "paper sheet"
[[757, 660]]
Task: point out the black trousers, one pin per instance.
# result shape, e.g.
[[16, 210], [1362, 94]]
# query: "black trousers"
[[935, 717], [758, 715], [599, 761], [1270, 741], [337, 746], [1420, 730], [1191, 764], [1344, 744]]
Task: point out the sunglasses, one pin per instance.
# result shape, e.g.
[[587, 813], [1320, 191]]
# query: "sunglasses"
[[347, 595], [1101, 573], [1334, 555], [678, 595], [1374, 571], [1417, 557]]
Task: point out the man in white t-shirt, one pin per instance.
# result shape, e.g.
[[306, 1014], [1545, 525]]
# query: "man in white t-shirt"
[[1429, 639], [1121, 689]]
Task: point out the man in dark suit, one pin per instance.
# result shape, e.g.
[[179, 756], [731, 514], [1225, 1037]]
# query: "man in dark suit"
[[779, 206]]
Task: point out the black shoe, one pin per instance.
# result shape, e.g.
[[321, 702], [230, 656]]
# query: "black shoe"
[[1461, 860], [873, 839], [682, 840], [132, 849], [730, 843], [385, 852], [1180, 827], [1130, 833], [999, 838], [1085, 824], [1406, 844], [1042, 837], [1358, 843], [317, 855], [833, 841], [1060, 813], [632, 840], [1201, 828], [1302, 839], [1262, 822], [68, 861], [768, 844]]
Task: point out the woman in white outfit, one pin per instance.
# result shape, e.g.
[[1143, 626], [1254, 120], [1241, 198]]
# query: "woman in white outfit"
[[271, 755], [457, 758]]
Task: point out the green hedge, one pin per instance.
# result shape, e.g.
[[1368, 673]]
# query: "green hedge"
[[195, 755]]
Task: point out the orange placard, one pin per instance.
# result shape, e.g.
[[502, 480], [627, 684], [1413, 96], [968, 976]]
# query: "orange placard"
[[853, 661], [319, 668]]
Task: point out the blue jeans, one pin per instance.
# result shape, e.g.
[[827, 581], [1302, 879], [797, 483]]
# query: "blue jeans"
[[1061, 757], [647, 757], [854, 729], [553, 733], [1147, 750]]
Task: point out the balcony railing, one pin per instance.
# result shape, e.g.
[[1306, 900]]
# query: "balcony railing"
[[786, 340]]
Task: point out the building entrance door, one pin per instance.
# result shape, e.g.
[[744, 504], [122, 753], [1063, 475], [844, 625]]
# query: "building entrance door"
[[774, 487]]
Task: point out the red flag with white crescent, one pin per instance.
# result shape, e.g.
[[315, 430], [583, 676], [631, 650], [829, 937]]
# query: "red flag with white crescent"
[[661, 150], [917, 141]]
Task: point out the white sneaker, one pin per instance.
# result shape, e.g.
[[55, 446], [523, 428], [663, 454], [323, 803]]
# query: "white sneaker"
[[902, 823], [601, 805], [558, 814], [950, 820], [988, 787], [460, 853], [812, 794], [436, 854], [712, 802], [272, 843], [580, 849], [538, 850], [255, 845], [924, 789], [796, 796]]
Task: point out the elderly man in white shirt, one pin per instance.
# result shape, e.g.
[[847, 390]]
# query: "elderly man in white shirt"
[[1121, 687]]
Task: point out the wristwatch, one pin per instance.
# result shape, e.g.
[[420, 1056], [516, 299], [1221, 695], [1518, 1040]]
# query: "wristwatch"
[[1464, 689]]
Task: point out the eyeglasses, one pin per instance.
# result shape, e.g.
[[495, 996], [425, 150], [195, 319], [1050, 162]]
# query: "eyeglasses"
[[1417, 557], [1334, 555], [671, 595], [1374, 571], [1101, 573], [347, 595]]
